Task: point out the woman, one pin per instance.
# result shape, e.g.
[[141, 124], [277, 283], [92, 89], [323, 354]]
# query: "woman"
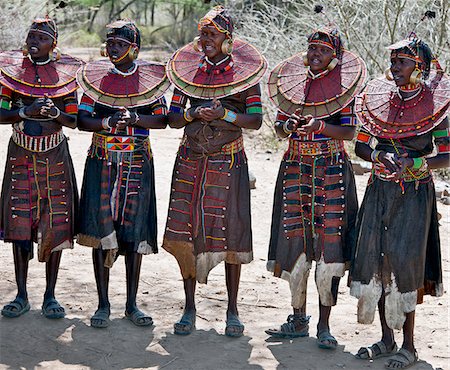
[[39, 194], [122, 100], [397, 258], [315, 201], [209, 213]]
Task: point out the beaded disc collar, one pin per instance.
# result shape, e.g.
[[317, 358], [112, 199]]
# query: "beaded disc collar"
[[145, 83], [189, 72], [385, 114], [291, 87], [52, 79]]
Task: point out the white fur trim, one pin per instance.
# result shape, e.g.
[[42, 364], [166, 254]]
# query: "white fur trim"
[[67, 244], [109, 241], [144, 248], [324, 278]]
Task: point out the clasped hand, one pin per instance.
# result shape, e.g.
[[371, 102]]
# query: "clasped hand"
[[303, 125], [209, 112], [395, 164], [43, 107], [123, 118]]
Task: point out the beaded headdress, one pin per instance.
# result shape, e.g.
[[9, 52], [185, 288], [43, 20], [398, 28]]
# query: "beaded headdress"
[[46, 26], [220, 19], [126, 30]]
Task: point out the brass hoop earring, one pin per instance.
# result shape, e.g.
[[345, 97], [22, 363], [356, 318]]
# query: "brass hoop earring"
[[388, 74], [196, 44], [416, 77], [133, 53], [55, 54], [305, 59], [25, 49], [332, 65], [227, 46], [103, 51]]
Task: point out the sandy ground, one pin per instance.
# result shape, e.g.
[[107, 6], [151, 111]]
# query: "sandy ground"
[[34, 342]]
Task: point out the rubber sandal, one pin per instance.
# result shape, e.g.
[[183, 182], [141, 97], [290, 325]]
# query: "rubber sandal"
[[16, 308], [138, 318], [376, 350], [326, 341], [186, 325], [51, 309], [404, 358], [100, 319], [290, 328], [234, 326]]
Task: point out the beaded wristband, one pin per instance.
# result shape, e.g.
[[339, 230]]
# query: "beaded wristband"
[[187, 116], [229, 116], [321, 127], [22, 113], [105, 123], [418, 163]]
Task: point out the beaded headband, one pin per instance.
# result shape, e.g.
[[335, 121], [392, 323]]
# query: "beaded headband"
[[125, 30], [334, 39], [38, 24], [219, 18]]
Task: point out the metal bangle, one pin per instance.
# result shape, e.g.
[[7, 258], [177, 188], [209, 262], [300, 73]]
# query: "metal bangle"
[[58, 113], [22, 113]]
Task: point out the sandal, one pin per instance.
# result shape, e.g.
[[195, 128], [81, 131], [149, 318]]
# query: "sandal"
[[403, 357], [234, 326], [51, 309], [186, 325], [295, 327], [326, 341], [16, 308], [100, 319], [138, 318], [376, 350]]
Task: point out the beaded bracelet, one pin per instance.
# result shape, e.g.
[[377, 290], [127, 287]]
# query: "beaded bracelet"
[[229, 116], [374, 155], [321, 127], [187, 116], [105, 123], [22, 113]]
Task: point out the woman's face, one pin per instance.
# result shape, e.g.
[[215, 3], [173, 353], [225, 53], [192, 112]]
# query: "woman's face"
[[39, 45], [211, 42], [401, 69], [117, 47], [319, 56]]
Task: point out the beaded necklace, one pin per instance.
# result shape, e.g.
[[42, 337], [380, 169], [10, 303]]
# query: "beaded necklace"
[[132, 69], [210, 67], [402, 106]]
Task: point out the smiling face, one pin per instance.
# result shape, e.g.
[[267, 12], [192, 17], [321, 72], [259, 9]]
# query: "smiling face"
[[39, 45], [211, 42], [401, 69], [319, 56]]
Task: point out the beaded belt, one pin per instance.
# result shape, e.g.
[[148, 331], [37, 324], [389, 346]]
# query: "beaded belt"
[[119, 143], [37, 143], [323, 147], [232, 147], [409, 175]]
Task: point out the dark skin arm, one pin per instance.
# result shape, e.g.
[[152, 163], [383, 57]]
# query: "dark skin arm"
[[398, 164], [121, 119], [215, 111], [305, 125], [40, 108]]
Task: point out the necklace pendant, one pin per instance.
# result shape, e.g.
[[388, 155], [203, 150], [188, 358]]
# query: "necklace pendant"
[[401, 114]]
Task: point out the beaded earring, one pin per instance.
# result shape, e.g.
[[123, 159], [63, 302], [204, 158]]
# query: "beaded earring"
[[103, 51], [227, 46]]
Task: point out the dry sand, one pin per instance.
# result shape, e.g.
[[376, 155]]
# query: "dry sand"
[[34, 342]]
